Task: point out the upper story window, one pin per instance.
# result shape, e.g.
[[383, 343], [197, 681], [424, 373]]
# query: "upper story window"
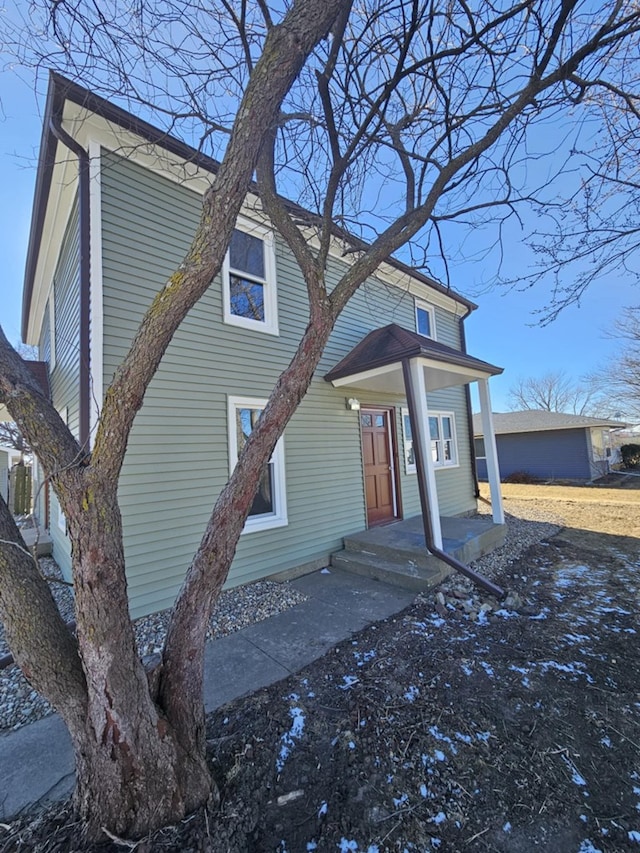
[[425, 319], [269, 508], [442, 433], [249, 279]]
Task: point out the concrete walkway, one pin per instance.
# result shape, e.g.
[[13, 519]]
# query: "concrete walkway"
[[36, 761]]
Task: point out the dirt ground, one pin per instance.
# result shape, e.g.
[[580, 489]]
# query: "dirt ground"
[[444, 730]]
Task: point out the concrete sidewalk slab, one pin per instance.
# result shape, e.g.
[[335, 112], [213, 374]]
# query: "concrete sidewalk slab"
[[234, 666], [36, 766], [36, 761]]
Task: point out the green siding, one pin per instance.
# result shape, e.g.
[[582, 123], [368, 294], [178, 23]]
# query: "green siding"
[[177, 459], [66, 372]]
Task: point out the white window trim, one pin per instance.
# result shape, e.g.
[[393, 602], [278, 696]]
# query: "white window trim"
[[271, 520], [424, 306], [455, 463], [270, 323], [409, 467]]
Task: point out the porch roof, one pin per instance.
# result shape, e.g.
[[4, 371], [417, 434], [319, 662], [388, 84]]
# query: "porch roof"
[[375, 364]]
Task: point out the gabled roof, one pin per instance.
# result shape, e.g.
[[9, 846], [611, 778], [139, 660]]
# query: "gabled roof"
[[392, 344], [62, 90], [535, 420]]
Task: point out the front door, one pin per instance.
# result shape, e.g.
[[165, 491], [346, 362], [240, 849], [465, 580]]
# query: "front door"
[[378, 465]]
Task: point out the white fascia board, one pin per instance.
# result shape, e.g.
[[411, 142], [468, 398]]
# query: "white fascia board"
[[64, 183], [354, 378]]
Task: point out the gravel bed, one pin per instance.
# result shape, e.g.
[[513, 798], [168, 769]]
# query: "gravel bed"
[[237, 608]]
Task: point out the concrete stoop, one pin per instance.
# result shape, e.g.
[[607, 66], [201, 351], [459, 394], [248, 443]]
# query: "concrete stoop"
[[396, 553]]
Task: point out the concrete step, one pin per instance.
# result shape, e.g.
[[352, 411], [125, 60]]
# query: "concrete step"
[[392, 550], [404, 573]]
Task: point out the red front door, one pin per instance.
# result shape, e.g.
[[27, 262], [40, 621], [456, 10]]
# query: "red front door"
[[378, 468]]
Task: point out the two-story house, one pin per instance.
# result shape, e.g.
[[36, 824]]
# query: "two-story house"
[[115, 206]]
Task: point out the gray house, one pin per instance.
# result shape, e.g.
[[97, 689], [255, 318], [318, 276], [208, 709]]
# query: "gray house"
[[547, 445], [115, 206]]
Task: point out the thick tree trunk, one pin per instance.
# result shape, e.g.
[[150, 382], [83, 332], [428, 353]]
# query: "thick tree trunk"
[[133, 772]]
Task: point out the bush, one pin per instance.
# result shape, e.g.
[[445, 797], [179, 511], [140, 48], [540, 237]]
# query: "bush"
[[630, 455], [520, 477]]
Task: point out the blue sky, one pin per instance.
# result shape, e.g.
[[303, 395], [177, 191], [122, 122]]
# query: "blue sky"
[[501, 331]]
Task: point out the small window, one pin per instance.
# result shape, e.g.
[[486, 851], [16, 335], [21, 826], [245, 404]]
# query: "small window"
[[249, 279], [425, 320], [269, 508], [407, 436], [479, 448], [442, 434]]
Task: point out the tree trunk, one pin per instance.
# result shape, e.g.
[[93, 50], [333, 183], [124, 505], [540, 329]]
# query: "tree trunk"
[[133, 772]]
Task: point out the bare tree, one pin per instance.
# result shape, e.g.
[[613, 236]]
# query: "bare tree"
[[619, 380], [555, 392], [431, 105]]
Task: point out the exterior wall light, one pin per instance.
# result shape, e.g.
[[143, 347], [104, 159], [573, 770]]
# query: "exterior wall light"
[[352, 404]]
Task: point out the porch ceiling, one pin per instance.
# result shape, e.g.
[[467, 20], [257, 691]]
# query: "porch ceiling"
[[375, 364]]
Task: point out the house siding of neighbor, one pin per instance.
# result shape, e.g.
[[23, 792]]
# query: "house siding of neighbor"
[[178, 456], [548, 445]]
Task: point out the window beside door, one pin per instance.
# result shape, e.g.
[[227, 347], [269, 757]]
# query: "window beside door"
[[442, 438]]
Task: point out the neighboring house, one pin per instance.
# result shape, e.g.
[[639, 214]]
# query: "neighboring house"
[[103, 244], [547, 445]]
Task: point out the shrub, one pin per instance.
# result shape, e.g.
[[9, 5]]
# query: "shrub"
[[520, 477], [630, 455]]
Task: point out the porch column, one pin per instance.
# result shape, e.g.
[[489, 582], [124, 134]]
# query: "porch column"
[[422, 423], [490, 451]]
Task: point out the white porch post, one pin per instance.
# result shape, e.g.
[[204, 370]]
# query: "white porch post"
[[490, 451], [420, 393]]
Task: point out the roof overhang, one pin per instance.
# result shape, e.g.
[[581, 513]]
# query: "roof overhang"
[[375, 364], [92, 120]]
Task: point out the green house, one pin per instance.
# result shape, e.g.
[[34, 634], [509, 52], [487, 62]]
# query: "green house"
[[115, 206]]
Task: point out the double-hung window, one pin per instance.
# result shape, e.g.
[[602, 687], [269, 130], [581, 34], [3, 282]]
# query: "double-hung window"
[[249, 279], [425, 319], [269, 508], [442, 433]]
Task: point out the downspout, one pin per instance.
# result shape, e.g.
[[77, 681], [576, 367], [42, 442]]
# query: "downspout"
[[467, 394], [477, 578], [62, 136]]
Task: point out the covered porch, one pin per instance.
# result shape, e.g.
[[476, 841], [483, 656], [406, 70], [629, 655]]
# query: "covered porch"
[[394, 360]]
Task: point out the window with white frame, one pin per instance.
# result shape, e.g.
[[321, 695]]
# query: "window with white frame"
[[249, 279], [269, 508], [425, 319], [407, 437], [442, 434]]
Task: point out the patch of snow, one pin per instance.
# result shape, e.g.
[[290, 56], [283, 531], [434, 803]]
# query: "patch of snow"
[[348, 682], [323, 808], [345, 845], [412, 693], [289, 738], [606, 741], [423, 791], [436, 842], [439, 818], [506, 827], [544, 614], [364, 657], [351, 745], [576, 777], [483, 736], [325, 571], [463, 738], [311, 845], [401, 800], [588, 847], [634, 835], [505, 614], [487, 668], [466, 668], [440, 756]]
